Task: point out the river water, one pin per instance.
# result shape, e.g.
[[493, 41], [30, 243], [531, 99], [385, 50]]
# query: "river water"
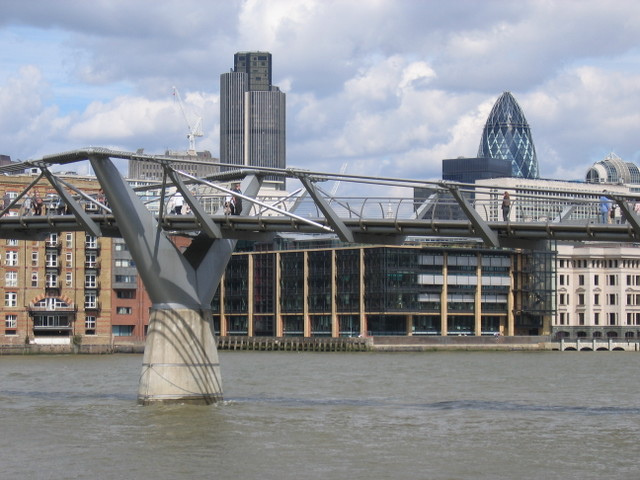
[[286, 415]]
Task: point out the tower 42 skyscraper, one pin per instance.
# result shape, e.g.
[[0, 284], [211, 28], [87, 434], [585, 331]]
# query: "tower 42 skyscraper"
[[507, 135], [252, 115]]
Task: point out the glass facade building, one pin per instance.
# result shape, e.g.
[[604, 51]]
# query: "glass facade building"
[[252, 115], [301, 288], [612, 169], [507, 135]]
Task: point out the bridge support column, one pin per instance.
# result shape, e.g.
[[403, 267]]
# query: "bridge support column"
[[180, 363]]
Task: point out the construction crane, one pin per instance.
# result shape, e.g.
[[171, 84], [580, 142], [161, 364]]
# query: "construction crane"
[[195, 131]]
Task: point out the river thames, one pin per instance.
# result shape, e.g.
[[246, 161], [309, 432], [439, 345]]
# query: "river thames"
[[440, 415]]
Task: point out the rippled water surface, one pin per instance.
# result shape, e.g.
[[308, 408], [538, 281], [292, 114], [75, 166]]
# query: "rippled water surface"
[[439, 415]]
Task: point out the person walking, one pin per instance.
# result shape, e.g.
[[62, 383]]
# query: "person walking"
[[236, 201], [604, 207], [506, 206]]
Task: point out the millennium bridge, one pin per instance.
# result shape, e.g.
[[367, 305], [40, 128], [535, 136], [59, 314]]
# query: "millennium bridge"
[[180, 362]]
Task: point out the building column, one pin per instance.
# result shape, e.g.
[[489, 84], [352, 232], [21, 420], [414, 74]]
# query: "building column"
[[364, 329], [224, 325], [444, 310], [511, 330], [278, 294], [305, 290], [478, 297], [335, 325], [250, 269]]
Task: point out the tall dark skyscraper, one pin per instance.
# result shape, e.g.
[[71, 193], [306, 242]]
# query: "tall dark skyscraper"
[[252, 115], [507, 135]]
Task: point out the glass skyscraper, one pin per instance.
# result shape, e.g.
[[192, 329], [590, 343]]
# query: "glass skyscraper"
[[252, 115], [507, 135]]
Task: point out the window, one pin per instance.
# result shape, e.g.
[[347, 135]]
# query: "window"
[[90, 300], [12, 242], [68, 279], [34, 279], [122, 330], [580, 279], [69, 241], [581, 318], [124, 262], [90, 281], [11, 279], [11, 321], [91, 242], [51, 280], [34, 259], [125, 293], [561, 318], [90, 323], [52, 259], [581, 299], [69, 259], [11, 258], [596, 299], [123, 310], [120, 247], [596, 279], [52, 240], [561, 279], [596, 319], [613, 300], [612, 318], [125, 279], [611, 280], [561, 299], [90, 260], [10, 299]]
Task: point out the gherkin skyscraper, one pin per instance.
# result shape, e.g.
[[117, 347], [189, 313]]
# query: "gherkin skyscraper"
[[507, 135]]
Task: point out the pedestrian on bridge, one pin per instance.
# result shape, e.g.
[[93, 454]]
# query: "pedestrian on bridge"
[[506, 206], [605, 206]]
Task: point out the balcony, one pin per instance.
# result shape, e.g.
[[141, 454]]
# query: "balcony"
[[49, 306]]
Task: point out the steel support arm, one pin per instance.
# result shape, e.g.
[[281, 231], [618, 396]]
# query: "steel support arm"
[[343, 232], [489, 236]]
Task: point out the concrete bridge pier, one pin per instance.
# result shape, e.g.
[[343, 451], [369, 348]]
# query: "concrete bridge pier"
[[180, 362]]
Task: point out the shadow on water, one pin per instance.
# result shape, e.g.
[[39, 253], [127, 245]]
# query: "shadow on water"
[[440, 406]]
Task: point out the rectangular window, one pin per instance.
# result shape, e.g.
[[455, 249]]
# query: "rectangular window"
[[596, 319], [34, 259], [69, 242], [52, 240], [125, 279], [90, 322], [11, 258], [123, 310], [581, 299], [69, 260], [90, 260], [12, 242], [612, 318], [125, 293], [611, 280], [122, 330], [561, 279], [11, 279], [10, 299], [91, 242], [11, 321], [90, 281], [34, 279], [580, 279], [596, 279], [90, 300], [596, 299], [51, 259], [68, 279], [612, 299], [51, 280], [581, 318]]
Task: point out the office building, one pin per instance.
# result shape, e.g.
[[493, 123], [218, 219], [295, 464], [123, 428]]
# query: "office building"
[[198, 164], [468, 170], [507, 135], [252, 116]]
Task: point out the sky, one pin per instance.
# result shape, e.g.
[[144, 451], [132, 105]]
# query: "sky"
[[376, 87]]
